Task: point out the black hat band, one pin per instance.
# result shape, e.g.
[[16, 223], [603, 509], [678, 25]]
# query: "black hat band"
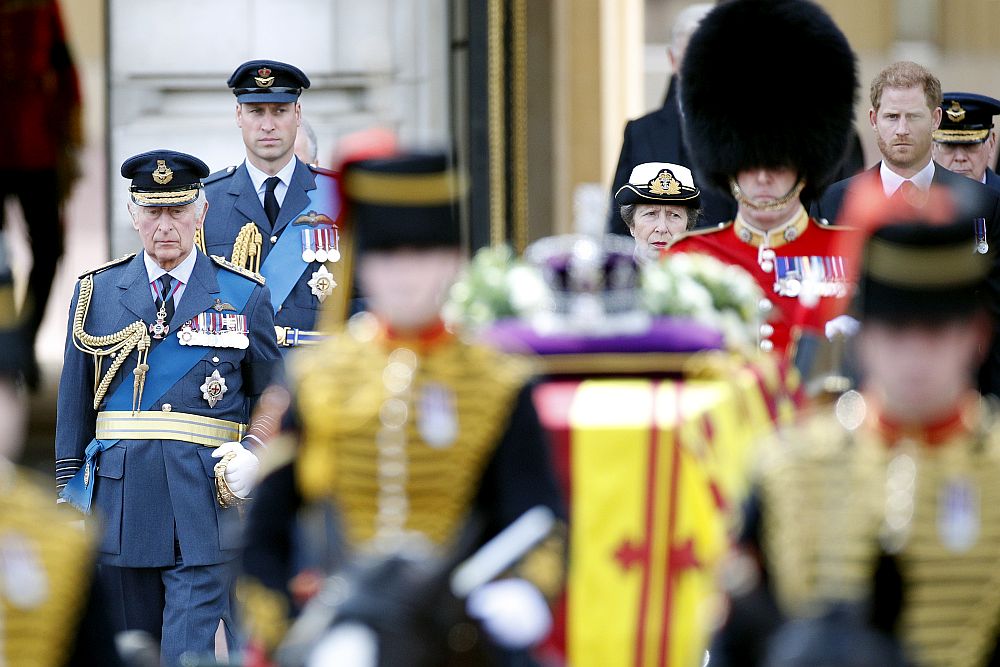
[[262, 91]]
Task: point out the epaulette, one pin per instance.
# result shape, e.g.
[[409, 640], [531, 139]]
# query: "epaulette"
[[701, 231], [226, 264], [322, 170], [108, 265], [219, 175]]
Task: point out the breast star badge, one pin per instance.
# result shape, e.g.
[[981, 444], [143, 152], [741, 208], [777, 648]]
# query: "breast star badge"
[[322, 283], [213, 388]]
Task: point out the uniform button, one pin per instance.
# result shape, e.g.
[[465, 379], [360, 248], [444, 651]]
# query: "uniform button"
[[766, 345], [167, 407], [274, 239], [215, 360], [766, 330]]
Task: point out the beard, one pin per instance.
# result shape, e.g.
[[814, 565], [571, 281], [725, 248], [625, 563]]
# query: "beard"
[[903, 157]]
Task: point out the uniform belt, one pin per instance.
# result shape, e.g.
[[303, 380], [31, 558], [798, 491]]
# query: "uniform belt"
[[155, 425], [292, 337]]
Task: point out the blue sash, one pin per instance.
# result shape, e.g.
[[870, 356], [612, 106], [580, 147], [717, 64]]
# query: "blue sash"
[[283, 265], [168, 362]]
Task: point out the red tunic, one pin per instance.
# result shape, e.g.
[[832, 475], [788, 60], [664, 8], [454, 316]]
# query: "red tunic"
[[39, 83], [802, 245]]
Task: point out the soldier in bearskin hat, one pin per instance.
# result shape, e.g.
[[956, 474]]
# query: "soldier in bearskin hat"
[[770, 154]]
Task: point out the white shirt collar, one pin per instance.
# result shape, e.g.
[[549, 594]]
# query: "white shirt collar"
[[257, 177], [181, 272], [891, 180]]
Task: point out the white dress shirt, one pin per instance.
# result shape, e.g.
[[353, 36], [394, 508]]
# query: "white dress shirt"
[[891, 180], [181, 273], [257, 177]]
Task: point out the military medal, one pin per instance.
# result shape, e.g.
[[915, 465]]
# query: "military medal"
[[437, 419], [982, 247], [213, 388], [958, 515], [322, 283], [216, 329], [160, 328], [308, 246]]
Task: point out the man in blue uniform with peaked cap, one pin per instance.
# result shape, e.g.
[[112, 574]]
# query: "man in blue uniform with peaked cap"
[[166, 353], [275, 215], [965, 139]]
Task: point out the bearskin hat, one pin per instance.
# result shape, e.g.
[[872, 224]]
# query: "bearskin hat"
[[768, 83]]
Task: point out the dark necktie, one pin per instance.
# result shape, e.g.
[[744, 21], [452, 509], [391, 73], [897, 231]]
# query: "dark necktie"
[[166, 300], [270, 201]]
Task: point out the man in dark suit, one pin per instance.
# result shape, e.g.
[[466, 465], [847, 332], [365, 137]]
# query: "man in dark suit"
[[657, 136], [275, 215], [906, 109], [964, 141], [166, 353]]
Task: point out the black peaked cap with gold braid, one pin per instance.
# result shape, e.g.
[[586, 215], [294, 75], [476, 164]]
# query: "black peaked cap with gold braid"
[[259, 81], [768, 83], [164, 177], [966, 118], [407, 200]]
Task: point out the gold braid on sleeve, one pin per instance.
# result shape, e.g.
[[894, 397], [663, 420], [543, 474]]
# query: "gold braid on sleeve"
[[118, 345], [247, 248]]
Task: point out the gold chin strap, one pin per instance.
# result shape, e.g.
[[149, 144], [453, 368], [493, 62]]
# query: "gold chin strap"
[[775, 205], [247, 248], [118, 345]]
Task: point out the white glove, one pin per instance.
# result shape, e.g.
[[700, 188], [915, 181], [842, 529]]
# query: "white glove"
[[512, 611], [241, 472], [842, 324]]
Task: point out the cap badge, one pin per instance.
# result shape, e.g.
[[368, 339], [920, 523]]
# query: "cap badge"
[[264, 78], [162, 174], [956, 113], [665, 184]]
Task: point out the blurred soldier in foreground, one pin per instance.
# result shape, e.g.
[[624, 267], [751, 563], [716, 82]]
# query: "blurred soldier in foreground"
[[166, 352], [889, 499], [274, 214], [774, 158], [965, 139], [403, 432], [50, 613]]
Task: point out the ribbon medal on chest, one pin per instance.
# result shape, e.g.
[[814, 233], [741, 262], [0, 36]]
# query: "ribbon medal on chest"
[[219, 327], [823, 276], [437, 416], [320, 238]]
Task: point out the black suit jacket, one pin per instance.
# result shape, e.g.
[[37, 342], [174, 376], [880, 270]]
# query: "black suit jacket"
[[977, 201], [658, 137]]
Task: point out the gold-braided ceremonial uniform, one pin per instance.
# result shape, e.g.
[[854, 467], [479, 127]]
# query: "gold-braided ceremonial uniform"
[[833, 499], [46, 570], [405, 438]]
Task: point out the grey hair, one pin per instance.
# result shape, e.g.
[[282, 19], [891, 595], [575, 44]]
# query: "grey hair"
[[688, 19], [628, 215]]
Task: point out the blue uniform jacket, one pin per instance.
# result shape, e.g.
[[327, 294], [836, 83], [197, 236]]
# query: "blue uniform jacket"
[[233, 202], [150, 493]]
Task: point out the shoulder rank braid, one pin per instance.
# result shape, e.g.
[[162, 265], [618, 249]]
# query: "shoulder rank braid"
[[236, 268], [247, 248], [119, 345]]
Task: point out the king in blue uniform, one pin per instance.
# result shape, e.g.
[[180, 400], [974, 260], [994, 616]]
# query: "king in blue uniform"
[[275, 215], [165, 355]]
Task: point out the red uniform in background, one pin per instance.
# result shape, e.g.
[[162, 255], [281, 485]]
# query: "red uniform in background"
[[37, 164], [792, 262]]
